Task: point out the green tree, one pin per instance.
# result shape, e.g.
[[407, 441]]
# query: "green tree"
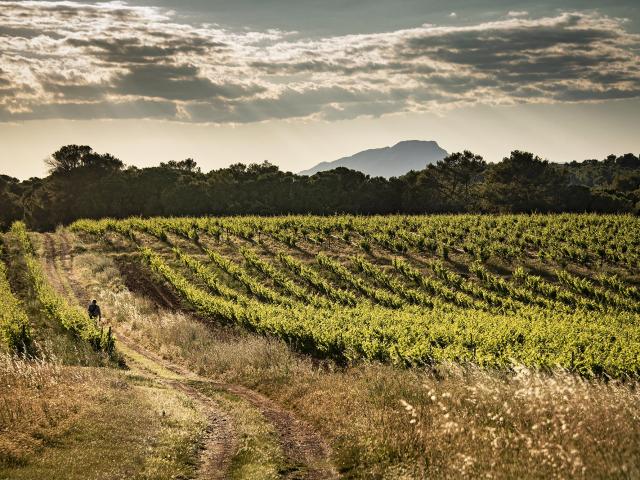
[[523, 182], [71, 158], [186, 165]]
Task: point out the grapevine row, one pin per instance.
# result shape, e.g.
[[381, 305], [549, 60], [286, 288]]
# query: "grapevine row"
[[70, 317], [15, 330]]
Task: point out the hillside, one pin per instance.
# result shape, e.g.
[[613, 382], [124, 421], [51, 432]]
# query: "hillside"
[[310, 348], [388, 161]]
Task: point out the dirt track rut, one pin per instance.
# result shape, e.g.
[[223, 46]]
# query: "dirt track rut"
[[306, 453]]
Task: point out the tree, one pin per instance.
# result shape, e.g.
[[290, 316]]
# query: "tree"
[[628, 160], [627, 181], [104, 162], [87, 184], [524, 182], [12, 207], [186, 165], [74, 157], [455, 177], [68, 158], [421, 192]]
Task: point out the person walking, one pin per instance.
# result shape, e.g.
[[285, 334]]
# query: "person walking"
[[94, 311]]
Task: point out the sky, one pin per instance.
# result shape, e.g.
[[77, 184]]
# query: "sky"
[[297, 82]]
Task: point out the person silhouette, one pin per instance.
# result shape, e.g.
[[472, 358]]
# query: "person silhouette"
[[94, 311]]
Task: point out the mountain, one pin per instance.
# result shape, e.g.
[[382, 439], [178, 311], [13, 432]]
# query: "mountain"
[[388, 161]]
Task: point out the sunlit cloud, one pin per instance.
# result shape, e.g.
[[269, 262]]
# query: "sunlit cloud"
[[113, 60]]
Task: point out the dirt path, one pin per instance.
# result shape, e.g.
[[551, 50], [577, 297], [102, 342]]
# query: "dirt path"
[[220, 442], [306, 453], [53, 274]]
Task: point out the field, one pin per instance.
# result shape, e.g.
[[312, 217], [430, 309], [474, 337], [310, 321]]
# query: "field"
[[537, 291], [391, 340]]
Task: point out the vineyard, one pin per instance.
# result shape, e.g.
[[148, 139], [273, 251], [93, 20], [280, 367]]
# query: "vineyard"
[[15, 329], [322, 347], [541, 291], [14, 323]]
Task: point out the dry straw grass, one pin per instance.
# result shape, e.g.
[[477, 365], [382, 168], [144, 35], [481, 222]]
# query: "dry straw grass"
[[38, 398], [74, 423]]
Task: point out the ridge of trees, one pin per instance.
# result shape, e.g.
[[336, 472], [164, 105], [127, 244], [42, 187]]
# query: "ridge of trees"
[[85, 184]]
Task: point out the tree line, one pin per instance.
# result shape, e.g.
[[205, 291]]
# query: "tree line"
[[85, 184]]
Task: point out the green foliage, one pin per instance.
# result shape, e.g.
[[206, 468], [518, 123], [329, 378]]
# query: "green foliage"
[[616, 284], [70, 317], [414, 307], [379, 296], [431, 285], [207, 276], [279, 278], [241, 275], [85, 184], [383, 278], [315, 280], [15, 331]]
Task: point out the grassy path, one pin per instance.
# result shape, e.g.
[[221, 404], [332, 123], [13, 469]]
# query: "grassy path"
[[220, 441], [248, 435]]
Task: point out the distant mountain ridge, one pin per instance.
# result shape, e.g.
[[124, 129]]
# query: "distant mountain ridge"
[[388, 161]]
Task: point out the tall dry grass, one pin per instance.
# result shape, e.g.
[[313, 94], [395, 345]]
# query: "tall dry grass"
[[39, 398], [73, 423]]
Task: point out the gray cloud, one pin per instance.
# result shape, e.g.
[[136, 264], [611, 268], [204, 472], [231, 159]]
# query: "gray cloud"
[[175, 82], [477, 45], [289, 104], [112, 60], [95, 110], [577, 95], [133, 50], [78, 92], [25, 32]]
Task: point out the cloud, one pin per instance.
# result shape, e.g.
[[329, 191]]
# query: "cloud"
[[61, 59], [453, 14], [517, 13], [175, 82], [94, 110]]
